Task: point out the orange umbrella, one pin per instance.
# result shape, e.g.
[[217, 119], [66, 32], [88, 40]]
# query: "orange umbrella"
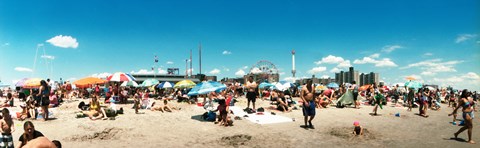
[[88, 82], [364, 87], [410, 78], [32, 83]]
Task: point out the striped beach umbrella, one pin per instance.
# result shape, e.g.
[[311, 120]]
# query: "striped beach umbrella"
[[120, 77], [184, 84], [21, 82], [165, 85], [129, 83], [32, 83], [149, 82]]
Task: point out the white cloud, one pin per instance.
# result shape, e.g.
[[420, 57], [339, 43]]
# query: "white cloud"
[[162, 71], [471, 75], [330, 59], [281, 73], [435, 65], [245, 67], [317, 70], [71, 79], [325, 77], [48, 57], [390, 48], [226, 52], [335, 70], [63, 41], [240, 72], [428, 54], [428, 73], [385, 62], [215, 71], [143, 71], [101, 75], [464, 37], [256, 70], [344, 64], [23, 69], [376, 55], [169, 62]]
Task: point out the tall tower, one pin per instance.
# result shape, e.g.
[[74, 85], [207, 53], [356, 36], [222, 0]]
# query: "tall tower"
[[293, 63], [191, 68], [200, 57]]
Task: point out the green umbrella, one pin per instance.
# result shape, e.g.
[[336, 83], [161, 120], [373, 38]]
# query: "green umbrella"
[[129, 83], [149, 82]]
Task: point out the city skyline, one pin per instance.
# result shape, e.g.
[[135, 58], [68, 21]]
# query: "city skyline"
[[436, 42]]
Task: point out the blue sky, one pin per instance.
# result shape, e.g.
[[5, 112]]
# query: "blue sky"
[[435, 41]]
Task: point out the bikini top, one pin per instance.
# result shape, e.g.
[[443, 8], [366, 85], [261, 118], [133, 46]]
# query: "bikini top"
[[467, 104]]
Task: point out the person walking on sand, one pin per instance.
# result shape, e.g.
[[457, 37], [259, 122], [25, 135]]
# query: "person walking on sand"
[[354, 88], [251, 94], [308, 104], [466, 105], [378, 101], [410, 96]]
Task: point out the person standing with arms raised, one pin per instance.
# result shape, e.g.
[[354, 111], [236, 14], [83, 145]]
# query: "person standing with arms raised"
[[251, 94], [308, 104]]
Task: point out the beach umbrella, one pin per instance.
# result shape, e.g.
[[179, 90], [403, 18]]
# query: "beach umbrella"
[[165, 85], [287, 84], [414, 84], [149, 82], [206, 87], [430, 88], [129, 83], [21, 82], [333, 85], [264, 85], [410, 78], [184, 84], [120, 77], [320, 88], [280, 86], [88, 82], [32, 83]]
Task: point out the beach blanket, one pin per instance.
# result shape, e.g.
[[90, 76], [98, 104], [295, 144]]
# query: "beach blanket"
[[266, 118]]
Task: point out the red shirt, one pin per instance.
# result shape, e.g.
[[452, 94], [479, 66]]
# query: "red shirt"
[[229, 99]]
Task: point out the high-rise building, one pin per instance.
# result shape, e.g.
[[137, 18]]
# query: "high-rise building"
[[353, 75]]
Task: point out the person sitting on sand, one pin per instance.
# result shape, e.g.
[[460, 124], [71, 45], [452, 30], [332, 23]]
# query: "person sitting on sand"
[[31, 106], [282, 103], [323, 101], [467, 109], [357, 129], [7, 128], [9, 101], [378, 101], [53, 100], [223, 109], [24, 113], [29, 134], [95, 111]]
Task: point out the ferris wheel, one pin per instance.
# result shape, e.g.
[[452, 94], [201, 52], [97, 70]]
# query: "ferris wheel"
[[264, 67]]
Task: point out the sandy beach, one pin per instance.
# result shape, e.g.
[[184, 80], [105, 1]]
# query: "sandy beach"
[[184, 128]]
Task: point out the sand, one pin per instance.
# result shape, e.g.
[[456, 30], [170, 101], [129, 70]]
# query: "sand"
[[184, 128]]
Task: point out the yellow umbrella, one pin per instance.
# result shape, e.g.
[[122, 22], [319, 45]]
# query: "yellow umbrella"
[[32, 83], [88, 82], [184, 84], [320, 88]]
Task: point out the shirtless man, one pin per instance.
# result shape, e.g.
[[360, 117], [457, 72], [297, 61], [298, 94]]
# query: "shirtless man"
[[251, 95], [308, 104]]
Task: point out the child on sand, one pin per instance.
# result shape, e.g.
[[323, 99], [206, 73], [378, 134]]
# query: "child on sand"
[[7, 127], [378, 101], [357, 129]]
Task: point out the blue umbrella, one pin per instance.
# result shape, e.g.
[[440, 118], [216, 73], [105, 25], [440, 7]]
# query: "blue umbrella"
[[165, 85], [414, 84], [333, 85], [264, 85], [206, 87]]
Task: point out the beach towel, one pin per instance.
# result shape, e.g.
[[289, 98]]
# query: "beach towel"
[[263, 118]]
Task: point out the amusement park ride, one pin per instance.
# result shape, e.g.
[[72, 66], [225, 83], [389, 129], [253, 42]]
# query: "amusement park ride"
[[264, 71]]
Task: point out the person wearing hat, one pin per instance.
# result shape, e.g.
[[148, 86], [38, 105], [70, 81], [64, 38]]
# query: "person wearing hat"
[[357, 129]]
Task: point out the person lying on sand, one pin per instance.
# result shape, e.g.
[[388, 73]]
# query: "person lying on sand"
[[166, 107]]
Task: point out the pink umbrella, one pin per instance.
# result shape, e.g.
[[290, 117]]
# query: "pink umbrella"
[[120, 77]]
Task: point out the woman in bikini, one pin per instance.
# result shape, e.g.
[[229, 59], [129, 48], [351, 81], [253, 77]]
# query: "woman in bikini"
[[466, 105]]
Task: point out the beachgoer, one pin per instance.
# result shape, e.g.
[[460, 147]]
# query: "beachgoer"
[[357, 129], [53, 100], [31, 106], [24, 113], [379, 98], [44, 92], [7, 127], [354, 88], [282, 103], [29, 134], [222, 108], [251, 94], [323, 101], [95, 111], [425, 95], [411, 95], [308, 104], [466, 105], [9, 101]]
